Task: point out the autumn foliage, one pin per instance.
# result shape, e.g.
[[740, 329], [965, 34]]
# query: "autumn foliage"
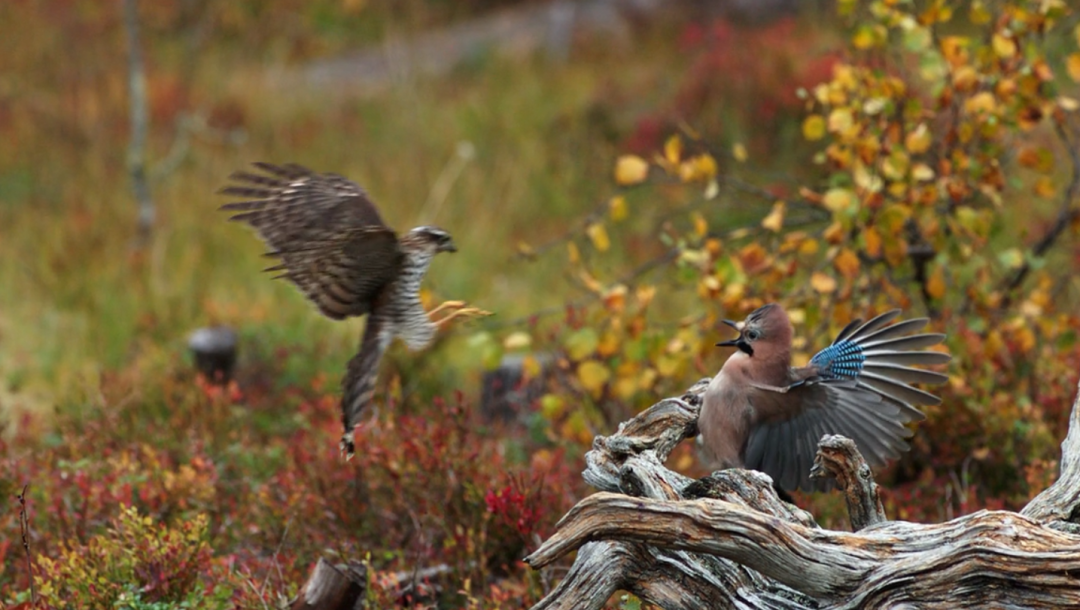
[[920, 155]]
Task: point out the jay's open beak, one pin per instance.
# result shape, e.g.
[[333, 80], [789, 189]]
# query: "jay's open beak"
[[734, 342], [739, 341]]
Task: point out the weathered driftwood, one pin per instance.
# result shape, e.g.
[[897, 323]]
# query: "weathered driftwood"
[[727, 541]]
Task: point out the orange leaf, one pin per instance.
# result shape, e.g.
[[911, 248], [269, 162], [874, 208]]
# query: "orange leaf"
[[822, 283], [935, 286], [847, 263], [1072, 65], [873, 242]]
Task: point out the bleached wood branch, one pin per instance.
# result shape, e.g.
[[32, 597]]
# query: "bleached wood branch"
[[736, 545]]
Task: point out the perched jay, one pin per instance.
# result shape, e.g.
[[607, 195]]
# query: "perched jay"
[[760, 413]]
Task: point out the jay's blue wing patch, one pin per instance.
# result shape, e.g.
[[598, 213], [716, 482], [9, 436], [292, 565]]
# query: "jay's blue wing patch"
[[841, 360]]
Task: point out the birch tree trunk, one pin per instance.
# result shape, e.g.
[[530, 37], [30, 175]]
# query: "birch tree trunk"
[[727, 541]]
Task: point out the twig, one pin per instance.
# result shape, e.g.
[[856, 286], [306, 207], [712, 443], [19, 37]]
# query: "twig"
[[274, 558], [464, 152], [1066, 215], [24, 525], [137, 148]]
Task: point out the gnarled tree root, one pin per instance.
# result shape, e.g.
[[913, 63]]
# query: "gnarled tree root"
[[727, 541]]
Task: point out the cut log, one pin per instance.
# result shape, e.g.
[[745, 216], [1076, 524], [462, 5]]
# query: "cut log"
[[332, 587]]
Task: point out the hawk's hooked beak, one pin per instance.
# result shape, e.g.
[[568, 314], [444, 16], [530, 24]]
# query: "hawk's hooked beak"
[[739, 342]]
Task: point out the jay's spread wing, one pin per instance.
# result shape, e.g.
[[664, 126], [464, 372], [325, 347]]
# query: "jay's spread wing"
[[857, 387]]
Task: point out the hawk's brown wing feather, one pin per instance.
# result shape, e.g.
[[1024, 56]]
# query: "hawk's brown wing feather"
[[328, 234]]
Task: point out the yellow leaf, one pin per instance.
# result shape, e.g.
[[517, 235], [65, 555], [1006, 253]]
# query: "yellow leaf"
[[847, 263], [922, 172], [1004, 47], [572, 253], [982, 102], [954, 48], [867, 180], [701, 167], [738, 150], [775, 220], [1012, 258], [863, 38], [965, 78], [841, 120], [673, 149], [626, 387], [576, 427], [531, 367], [609, 344], [896, 165], [1044, 187], [813, 128], [935, 286], [668, 365], [712, 189], [599, 237], [918, 140], [822, 283], [838, 200], [517, 340], [701, 226], [552, 406], [1072, 65], [979, 14], [581, 343], [631, 169], [617, 208]]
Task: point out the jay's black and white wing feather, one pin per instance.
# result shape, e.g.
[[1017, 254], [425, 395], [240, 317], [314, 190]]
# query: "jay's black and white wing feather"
[[860, 387]]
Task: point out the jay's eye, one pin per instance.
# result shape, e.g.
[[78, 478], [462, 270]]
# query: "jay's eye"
[[753, 334]]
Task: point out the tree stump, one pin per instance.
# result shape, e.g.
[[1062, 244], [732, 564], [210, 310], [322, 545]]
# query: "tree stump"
[[214, 349], [332, 587], [727, 541]]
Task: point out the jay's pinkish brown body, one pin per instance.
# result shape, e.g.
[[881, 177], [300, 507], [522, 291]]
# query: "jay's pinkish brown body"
[[760, 413]]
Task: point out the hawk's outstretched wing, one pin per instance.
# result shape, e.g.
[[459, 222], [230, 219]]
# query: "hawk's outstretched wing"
[[328, 234]]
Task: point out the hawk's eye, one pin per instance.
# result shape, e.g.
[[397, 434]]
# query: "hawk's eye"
[[753, 334]]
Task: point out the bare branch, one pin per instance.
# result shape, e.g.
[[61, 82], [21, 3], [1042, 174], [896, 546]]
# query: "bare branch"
[[1067, 212], [24, 526], [136, 160]]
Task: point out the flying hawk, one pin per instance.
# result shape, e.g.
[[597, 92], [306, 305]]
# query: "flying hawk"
[[332, 243]]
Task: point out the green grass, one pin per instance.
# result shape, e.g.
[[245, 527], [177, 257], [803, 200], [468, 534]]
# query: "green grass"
[[76, 300]]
